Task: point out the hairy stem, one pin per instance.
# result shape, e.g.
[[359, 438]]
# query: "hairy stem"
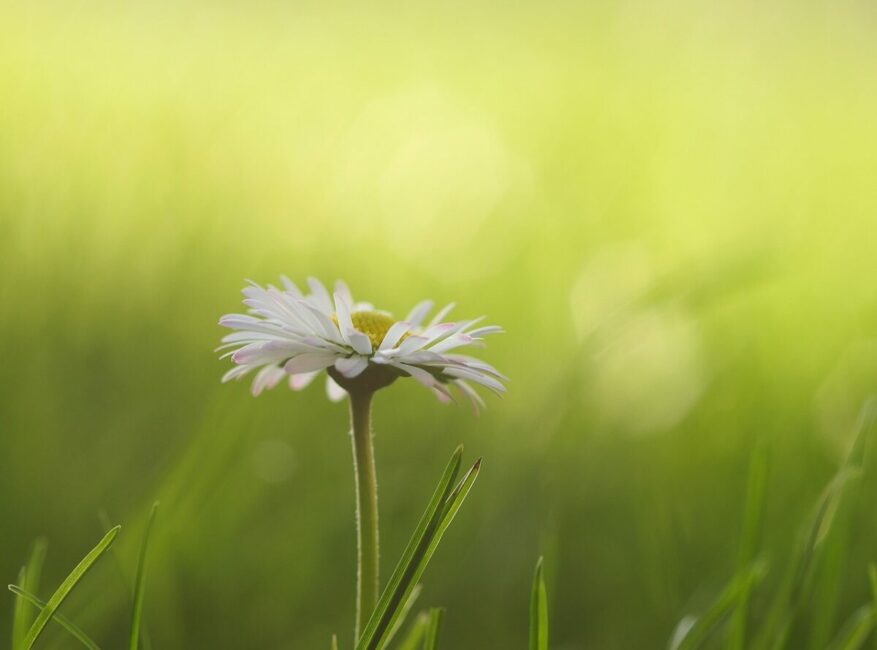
[[366, 508]]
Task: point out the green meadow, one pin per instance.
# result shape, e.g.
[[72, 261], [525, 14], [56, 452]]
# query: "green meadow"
[[671, 209]]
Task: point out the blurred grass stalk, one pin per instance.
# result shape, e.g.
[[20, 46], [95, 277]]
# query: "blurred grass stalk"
[[797, 586]]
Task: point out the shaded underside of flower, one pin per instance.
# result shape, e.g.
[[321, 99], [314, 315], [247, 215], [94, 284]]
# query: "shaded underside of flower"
[[287, 332]]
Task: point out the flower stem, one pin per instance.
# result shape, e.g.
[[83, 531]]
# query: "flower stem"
[[366, 507]]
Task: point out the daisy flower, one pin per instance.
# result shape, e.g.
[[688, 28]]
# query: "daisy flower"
[[289, 333]]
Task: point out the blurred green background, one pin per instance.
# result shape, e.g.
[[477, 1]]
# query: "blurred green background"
[[671, 208]]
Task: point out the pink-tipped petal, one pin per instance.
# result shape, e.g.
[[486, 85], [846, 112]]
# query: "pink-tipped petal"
[[476, 399], [302, 380], [455, 341], [267, 377], [334, 392], [442, 394]]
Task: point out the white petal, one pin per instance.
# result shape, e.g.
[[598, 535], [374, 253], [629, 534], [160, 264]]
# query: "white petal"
[[437, 332], [247, 337], [475, 398], [286, 305], [473, 363], [342, 313], [269, 352], [470, 323], [320, 295], [423, 357], [302, 380], [444, 331], [416, 316], [351, 367], [428, 337], [353, 337], [326, 346], [411, 344], [290, 287], [309, 361], [263, 308], [419, 374], [342, 288], [396, 332], [267, 377], [252, 285], [477, 377], [238, 321], [334, 391], [327, 327], [236, 373], [455, 341], [442, 313], [252, 324], [489, 329], [360, 342], [442, 394]]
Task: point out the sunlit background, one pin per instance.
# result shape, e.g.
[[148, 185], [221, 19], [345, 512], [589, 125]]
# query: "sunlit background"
[[670, 207]]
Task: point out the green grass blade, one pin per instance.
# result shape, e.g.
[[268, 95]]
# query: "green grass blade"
[[66, 587], [753, 514], [855, 631], [63, 621], [29, 579], [434, 531], [427, 523], [452, 506], [797, 584], [423, 554], [406, 608], [862, 433], [140, 581], [19, 613], [430, 642], [334, 642], [538, 610], [413, 640], [823, 610], [701, 628], [106, 523], [825, 580]]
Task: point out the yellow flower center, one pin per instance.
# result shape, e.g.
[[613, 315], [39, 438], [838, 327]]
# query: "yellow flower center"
[[373, 324]]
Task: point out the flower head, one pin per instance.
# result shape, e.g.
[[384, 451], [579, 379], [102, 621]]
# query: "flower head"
[[287, 332]]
